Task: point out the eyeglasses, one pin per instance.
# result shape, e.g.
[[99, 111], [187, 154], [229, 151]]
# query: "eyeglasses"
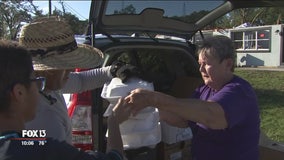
[[40, 81]]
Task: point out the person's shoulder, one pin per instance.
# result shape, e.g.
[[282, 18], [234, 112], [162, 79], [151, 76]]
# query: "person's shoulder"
[[239, 81], [241, 85], [202, 87]]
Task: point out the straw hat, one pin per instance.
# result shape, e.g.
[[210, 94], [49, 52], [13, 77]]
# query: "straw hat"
[[53, 46]]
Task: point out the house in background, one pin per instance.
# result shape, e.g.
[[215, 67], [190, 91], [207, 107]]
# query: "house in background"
[[258, 46], [255, 46]]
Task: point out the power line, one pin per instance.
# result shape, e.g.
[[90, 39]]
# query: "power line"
[[66, 7], [73, 10]]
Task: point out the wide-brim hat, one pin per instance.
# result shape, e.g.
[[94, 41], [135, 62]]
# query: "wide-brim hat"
[[53, 46]]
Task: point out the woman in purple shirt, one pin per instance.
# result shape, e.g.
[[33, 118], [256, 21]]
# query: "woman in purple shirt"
[[223, 113]]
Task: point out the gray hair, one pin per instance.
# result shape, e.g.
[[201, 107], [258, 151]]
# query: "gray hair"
[[220, 47]]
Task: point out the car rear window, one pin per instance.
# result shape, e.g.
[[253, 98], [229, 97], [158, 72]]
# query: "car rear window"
[[183, 10]]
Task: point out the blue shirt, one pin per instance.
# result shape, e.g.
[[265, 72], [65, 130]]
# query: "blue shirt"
[[240, 140]]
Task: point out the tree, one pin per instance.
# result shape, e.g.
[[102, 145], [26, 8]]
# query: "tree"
[[253, 16], [13, 15], [77, 26], [274, 16], [130, 9], [222, 22], [247, 15]]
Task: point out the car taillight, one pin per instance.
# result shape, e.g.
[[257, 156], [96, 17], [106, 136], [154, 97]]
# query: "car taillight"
[[80, 112]]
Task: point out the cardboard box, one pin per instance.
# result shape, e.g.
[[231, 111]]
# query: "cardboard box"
[[176, 151], [269, 149], [269, 153], [184, 86], [143, 153]]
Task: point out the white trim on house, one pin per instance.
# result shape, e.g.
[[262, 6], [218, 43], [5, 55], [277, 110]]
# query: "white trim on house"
[[261, 46]]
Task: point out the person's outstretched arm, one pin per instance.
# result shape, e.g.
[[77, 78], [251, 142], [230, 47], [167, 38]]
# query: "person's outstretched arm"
[[87, 80], [210, 114]]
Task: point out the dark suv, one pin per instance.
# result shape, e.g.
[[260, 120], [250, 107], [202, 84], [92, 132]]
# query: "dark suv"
[[158, 38]]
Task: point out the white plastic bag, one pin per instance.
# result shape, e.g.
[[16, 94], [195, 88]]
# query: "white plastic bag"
[[143, 129], [115, 89]]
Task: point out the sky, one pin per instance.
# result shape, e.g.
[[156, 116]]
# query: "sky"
[[79, 8]]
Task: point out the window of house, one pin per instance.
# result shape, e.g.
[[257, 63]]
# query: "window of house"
[[251, 40]]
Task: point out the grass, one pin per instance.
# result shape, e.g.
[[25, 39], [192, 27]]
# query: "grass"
[[269, 87]]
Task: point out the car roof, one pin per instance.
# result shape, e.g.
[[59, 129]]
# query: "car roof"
[[172, 18]]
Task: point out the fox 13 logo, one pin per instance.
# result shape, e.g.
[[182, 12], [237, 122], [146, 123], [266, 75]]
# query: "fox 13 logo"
[[33, 133], [33, 137]]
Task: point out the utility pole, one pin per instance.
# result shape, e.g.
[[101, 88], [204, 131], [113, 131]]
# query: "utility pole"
[[49, 7], [183, 9]]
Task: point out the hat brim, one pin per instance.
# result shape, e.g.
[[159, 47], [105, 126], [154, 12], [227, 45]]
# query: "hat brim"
[[84, 57]]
